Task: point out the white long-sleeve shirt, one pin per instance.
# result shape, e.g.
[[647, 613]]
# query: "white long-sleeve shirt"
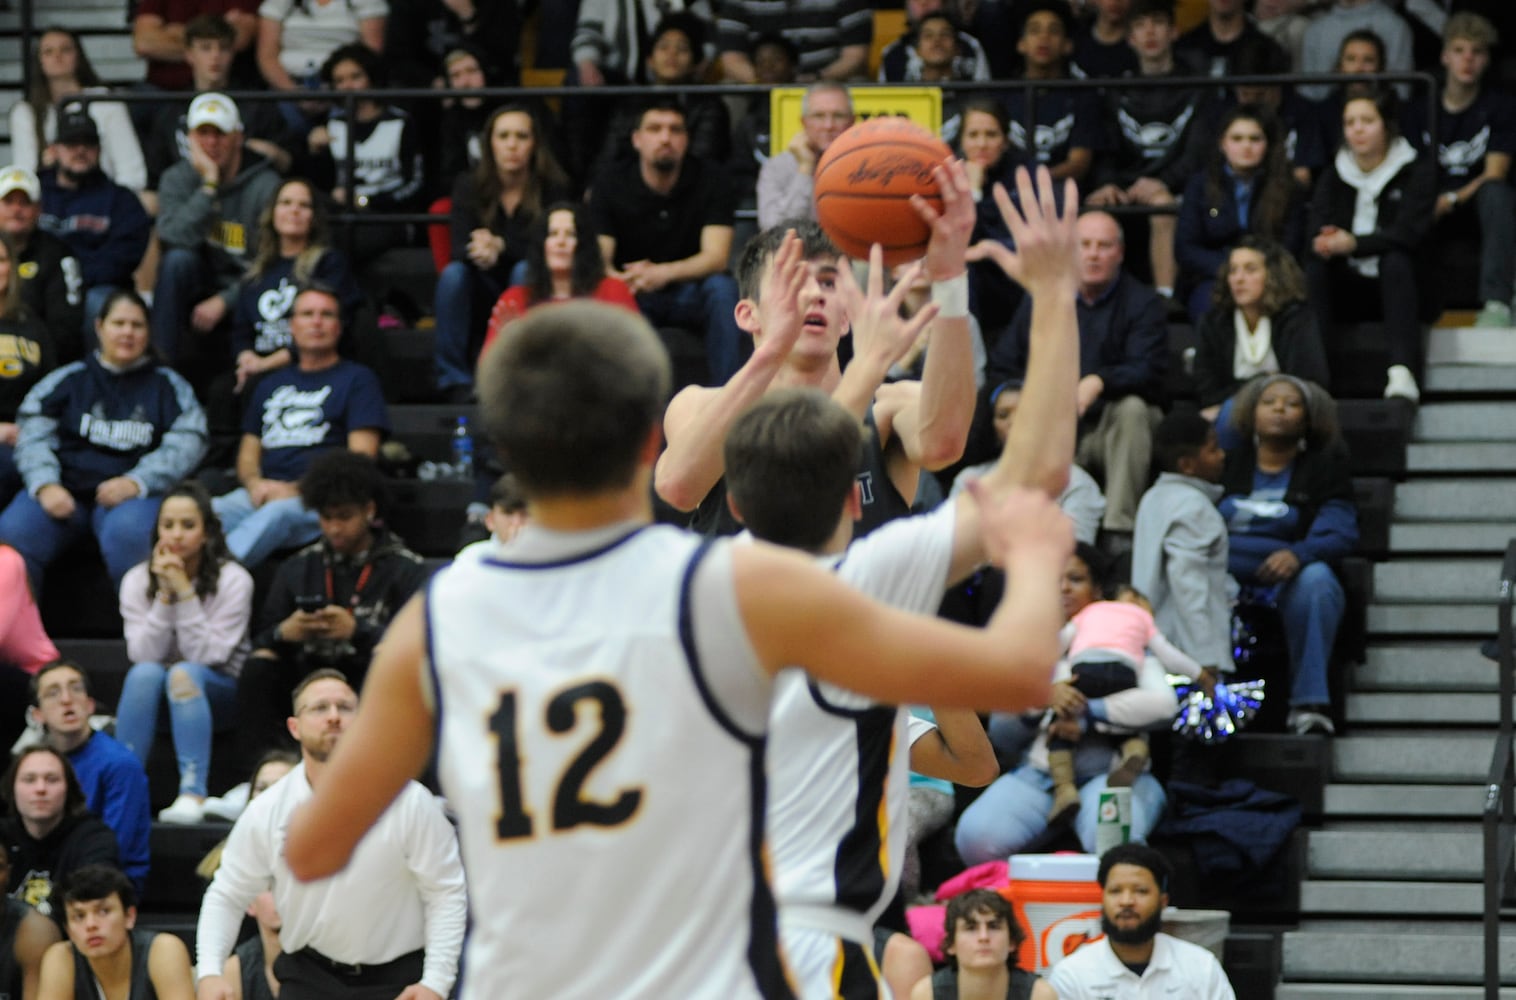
[[402, 890]]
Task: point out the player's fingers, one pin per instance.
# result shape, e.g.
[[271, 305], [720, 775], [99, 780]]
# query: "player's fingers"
[[924, 208], [876, 271], [1010, 213], [1030, 205], [902, 288]]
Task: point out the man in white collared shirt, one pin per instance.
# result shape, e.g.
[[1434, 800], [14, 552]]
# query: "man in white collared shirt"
[[1136, 961], [389, 924]]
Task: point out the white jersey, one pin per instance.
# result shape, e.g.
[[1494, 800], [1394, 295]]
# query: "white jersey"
[[600, 717], [839, 763]]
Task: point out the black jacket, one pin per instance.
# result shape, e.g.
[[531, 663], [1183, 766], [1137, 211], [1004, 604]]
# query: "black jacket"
[[1295, 339], [38, 866], [52, 286], [1405, 207]]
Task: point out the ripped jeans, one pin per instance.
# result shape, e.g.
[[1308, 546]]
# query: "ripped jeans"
[[199, 697]]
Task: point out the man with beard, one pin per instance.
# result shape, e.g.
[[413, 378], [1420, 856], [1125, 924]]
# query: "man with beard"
[[104, 224], [1135, 960], [407, 874]]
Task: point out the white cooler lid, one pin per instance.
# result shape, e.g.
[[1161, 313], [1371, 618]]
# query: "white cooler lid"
[[1054, 867]]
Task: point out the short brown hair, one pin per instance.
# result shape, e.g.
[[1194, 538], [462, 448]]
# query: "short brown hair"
[[1471, 27], [966, 904], [324, 674]]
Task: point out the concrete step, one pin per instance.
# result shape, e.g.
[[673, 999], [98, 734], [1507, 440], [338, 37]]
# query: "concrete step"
[[1431, 620], [1461, 456], [1453, 379], [1452, 855], [1403, 801], [106, 17], [1470, 346], [1458, 499], [1435, 956], [1441, 581], [1451, 537], [1425, 666], [1423, 708], [1472, 421], [1412, 758], [1393, 899]]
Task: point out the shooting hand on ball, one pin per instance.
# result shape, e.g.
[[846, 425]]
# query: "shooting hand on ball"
[[953, 226]]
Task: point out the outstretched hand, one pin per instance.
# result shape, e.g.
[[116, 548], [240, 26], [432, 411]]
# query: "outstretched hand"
[[1022, 521], [783, 312], [1045, 261], [951, 228], [880, 333]]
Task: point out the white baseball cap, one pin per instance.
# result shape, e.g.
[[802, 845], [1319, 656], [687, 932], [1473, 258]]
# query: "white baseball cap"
[[214, 109], [20, 179]]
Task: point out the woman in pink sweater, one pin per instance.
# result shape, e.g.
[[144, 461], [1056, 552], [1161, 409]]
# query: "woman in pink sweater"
[[24, 645]]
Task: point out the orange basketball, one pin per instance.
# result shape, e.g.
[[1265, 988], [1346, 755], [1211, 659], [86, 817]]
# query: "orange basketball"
[[864, 183]]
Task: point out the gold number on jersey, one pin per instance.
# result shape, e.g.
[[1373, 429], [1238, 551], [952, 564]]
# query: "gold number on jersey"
[[570, 807]]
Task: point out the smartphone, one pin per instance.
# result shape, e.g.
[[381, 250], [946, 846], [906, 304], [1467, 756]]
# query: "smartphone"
[[310, 603]]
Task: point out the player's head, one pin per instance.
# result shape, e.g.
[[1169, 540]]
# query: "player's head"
[[571, 395], [1185, 442], [821, 307], [324, 704], [792, 463], [100, 905], [982, 930], [1134, 883]]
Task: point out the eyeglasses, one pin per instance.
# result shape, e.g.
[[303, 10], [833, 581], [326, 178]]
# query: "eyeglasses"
[[76, 689], [830, 117], [323, 707]]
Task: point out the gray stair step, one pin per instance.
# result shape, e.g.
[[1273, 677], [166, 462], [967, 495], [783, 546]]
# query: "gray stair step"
[[1473, 620], [1458, 499], [1454, 855], [1412, 758], [1451, 378], [1391, 950], [1451, 537], [1423, 708], [106, 17], [1403, 801], [1461, 456], [1362, 896], [1425, 667], [1461, 422], [1446, 581], [1468, 345]]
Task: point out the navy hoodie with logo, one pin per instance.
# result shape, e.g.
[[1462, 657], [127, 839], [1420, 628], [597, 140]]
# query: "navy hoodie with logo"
[[104, 224]]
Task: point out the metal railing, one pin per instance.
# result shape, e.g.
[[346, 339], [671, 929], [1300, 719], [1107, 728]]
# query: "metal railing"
[[1499, 818]]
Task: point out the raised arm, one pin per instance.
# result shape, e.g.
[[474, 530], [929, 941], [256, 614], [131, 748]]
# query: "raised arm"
[[958, 750]]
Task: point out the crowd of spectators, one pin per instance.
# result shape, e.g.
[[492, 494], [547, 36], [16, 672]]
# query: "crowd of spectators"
[[174, 298]]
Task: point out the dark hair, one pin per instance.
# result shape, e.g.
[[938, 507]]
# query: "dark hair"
[[1321, 427], [91, 882], [1140, 855], [1181, 434], [779, 41], [542, 173], [338, 478], [506, 494], [1362, 35], [213, 555], [1096, 563], [569, 394], [38, 96], [367, 59], [73, 794], [791, 462], [661, 102], [1151, 8], [815, 243], [688, 25], [966, 904], [324, 674], [129, 295], [1385, 103], [1284, 281], [36, 682], [1060, 8], [587, 269], [211, 27], [1275, 185]]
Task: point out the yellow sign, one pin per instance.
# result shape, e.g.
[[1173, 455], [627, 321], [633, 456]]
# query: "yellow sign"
[[922, 105]]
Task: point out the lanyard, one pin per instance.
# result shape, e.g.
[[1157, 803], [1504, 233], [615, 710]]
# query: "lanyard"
[[352, 603]]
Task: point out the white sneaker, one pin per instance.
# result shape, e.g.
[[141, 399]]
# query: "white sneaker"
[[1306, 720], [228, 806], [185, 810], [1400, 383]]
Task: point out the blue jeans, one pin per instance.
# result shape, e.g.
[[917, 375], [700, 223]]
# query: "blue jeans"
[[124, 532], [1013, 811], [255, 533], [463, 300], [192, 716], [1311, 607], [183, 280], [708, 304]]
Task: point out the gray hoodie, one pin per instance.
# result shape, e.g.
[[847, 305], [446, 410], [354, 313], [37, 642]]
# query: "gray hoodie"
[[224, 226], [1179, 560]]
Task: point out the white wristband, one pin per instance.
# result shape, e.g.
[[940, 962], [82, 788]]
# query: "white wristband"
[[952, 296]]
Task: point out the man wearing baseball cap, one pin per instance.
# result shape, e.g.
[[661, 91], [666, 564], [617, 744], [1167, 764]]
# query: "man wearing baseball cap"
[[207, 225], [51, 282], [104, 224]]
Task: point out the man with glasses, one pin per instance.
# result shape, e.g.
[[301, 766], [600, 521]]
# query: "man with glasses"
[[389, 924], [114, 783], [786, 181]]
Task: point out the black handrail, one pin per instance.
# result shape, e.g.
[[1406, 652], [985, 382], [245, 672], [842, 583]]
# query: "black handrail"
[[1499, 820]]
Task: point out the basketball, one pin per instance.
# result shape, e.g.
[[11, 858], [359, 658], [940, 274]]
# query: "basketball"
[[863, 187]]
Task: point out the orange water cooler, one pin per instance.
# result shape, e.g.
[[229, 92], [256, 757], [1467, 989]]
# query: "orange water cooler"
[[1057, 900]]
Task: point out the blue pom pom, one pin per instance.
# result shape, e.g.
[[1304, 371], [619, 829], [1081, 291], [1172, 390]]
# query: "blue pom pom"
[[1214, 719]]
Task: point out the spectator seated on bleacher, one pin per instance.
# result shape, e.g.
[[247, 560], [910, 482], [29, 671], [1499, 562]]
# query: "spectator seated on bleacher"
[[461, 133], [1224, 37], [163, 33], [51, 286], [111, 777], [563, 262], [210, 43], [1070, 126], [786, 180], [982, 940], [1288, 504], [186, 613], [26, 354], [1260, 324], [295, 38], [1246, 187], [331, 601], [1320, 47], [208, 228], [49, 830], [1371, 210], [666, 230], [320, 403], [1179, 547], [1476, 136], [774, 58], [103, 224], [60, 70], [1360, 51], [984, 144], [388, 175], [1100, 48], [419, 35], [100, 440], [494, 208], [832, 36], [501, 521], [25, 935], [24, 646], [935, 50], [1013, 811], [1298, 118]]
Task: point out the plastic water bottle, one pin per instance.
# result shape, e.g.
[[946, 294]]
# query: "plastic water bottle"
[[463, 452]]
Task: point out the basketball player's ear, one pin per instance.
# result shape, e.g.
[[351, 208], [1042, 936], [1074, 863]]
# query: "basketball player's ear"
[[731, 505], [746, 315]]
